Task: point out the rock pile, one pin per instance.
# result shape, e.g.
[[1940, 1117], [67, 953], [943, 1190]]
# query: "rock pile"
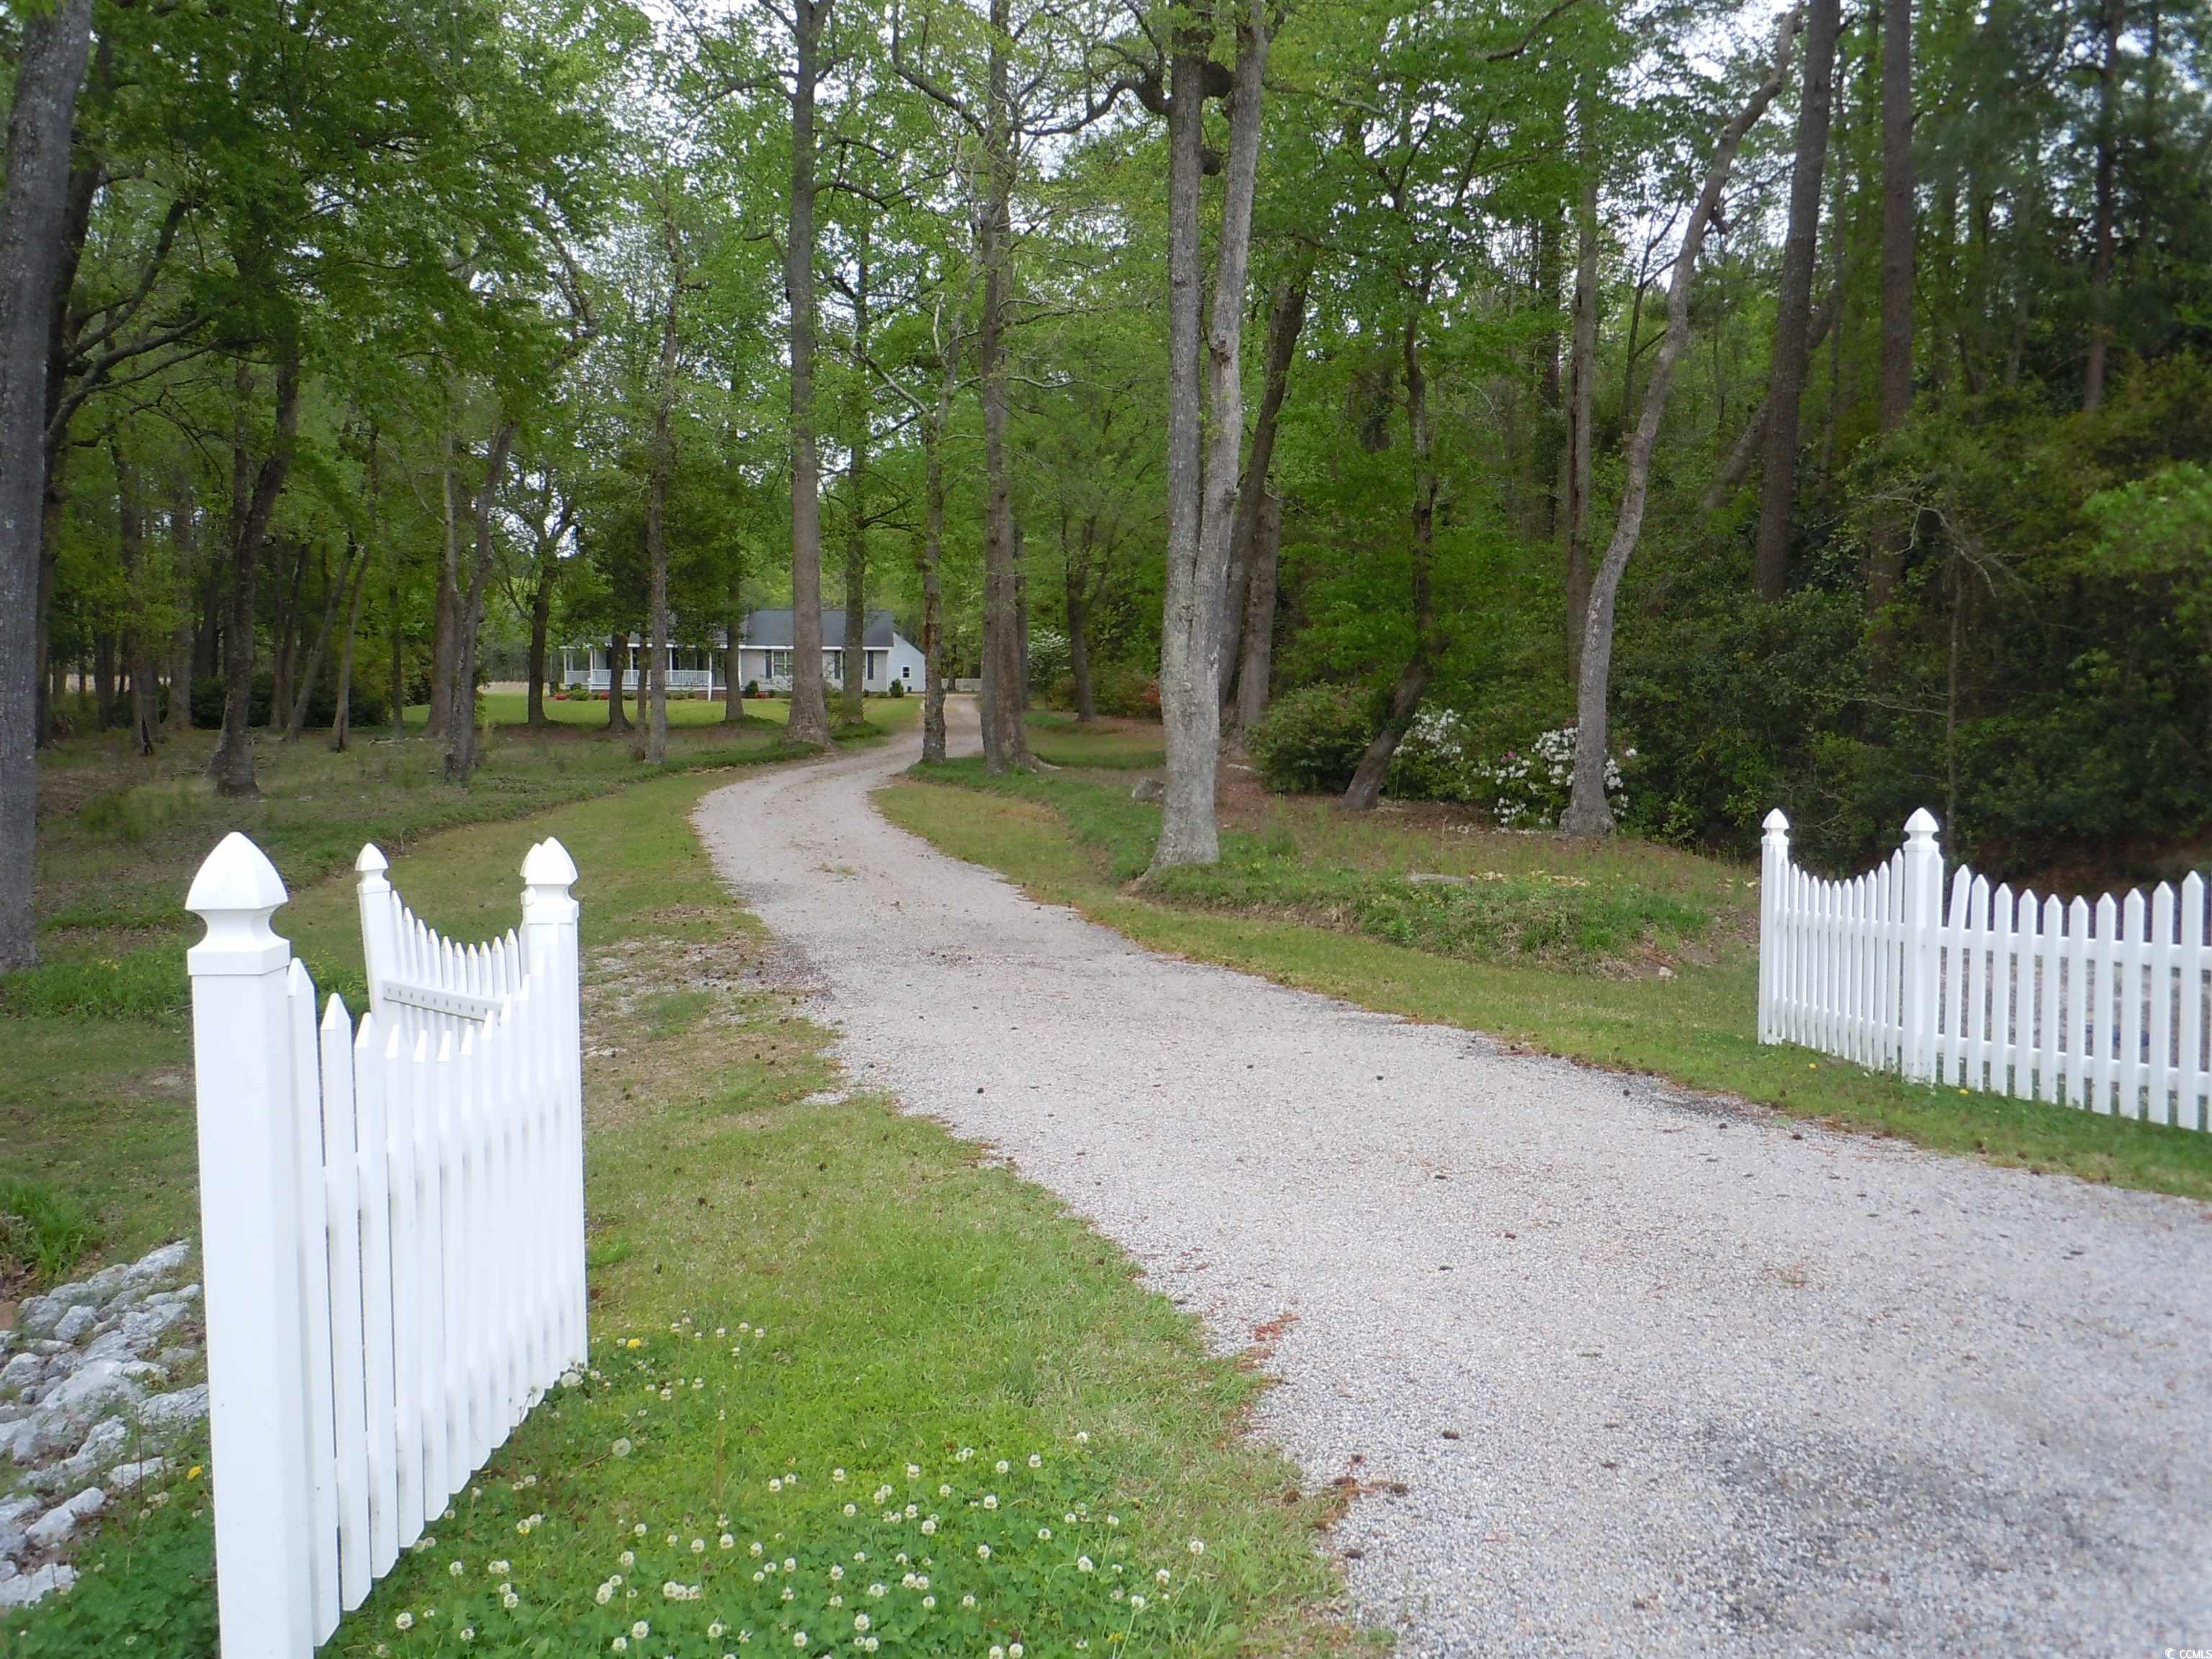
[[99, 1381]]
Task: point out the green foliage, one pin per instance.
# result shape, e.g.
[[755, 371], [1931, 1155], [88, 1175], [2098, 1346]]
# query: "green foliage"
[[1311, 740], [2039, 680], [1125, 692], [367, 707], [44, 1232], [147, 984], [145, 1584]]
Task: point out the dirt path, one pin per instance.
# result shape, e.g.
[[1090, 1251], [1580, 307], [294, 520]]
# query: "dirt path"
[[1619, 1370]]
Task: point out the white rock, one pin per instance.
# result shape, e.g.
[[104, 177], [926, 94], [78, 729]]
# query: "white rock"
[[129, 1477], [21, 1371], [16, 1509], [166, 1262], [165, 1413], [99, 1387], [75, 1325], [38, 1316], [22, 1592], [13, 1544], [54, 1528], [104, 1444], [143, 1327]]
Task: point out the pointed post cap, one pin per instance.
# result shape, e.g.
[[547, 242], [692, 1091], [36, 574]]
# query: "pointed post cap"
[[371, 863], [1776, 822], [1921, 826], [235, 893], [548, 864]]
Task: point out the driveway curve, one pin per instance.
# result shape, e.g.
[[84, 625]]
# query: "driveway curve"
[[1617, 1368]]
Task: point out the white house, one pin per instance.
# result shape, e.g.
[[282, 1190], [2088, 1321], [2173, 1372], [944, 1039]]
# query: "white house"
[[763, 658]]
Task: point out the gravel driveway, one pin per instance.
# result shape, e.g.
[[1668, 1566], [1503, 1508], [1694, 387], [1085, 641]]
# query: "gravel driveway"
[[1620, 1370]]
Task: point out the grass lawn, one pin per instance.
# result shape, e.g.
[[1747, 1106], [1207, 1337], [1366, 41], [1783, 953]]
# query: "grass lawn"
[[802, 1301], [1059, 739], [1621, 954], [95, 1096]]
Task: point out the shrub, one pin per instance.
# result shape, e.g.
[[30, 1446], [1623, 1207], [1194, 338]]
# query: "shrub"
[[753, 687], [1311, 740], [898, 687], [366, 707], [1528, 788], [1436, 760], [1118, 690], [1049, 657]]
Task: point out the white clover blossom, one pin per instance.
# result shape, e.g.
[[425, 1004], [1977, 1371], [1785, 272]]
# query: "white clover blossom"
[[621, 1448], [405, 1621]]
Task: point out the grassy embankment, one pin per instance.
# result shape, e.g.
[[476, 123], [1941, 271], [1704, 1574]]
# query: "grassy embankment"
[[786, 1283], [1622, 954]]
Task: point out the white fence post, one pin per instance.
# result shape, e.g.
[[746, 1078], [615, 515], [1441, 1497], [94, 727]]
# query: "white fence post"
[[380, 936], [249, 1125], [1920, 967], [1773, 876], [550, 934]]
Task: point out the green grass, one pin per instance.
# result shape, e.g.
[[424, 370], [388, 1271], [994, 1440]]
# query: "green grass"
[[95, 1097], [43, 1231], [1060, 740], [512, 708], [1079, 841], [1506, 899], [786, 1285]]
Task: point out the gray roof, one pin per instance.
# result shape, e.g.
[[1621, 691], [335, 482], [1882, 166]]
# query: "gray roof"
[[771, 629]]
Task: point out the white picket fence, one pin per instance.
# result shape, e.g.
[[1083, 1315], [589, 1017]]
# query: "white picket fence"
[[392, 1228], [2101, 1006]]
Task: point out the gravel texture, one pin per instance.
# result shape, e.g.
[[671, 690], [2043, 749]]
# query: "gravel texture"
[[1614, 1368]]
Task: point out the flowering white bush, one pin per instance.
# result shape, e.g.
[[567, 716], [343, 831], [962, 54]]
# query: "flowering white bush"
[[1528, 788]]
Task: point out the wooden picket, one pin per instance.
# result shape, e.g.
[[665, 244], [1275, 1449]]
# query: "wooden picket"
[[383, 1307], [2107, 1008]]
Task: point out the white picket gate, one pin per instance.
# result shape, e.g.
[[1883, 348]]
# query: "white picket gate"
[[392, 1228], [2101, 1006]]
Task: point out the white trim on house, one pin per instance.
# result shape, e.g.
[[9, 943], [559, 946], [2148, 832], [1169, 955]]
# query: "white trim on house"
[[702, 669]]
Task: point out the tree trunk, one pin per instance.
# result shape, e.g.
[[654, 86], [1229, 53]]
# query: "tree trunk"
[[444, 638], [334, 597], [617, 671], [1005, 744], [1897, 212], [733, 634], [467, 621], [932, 530], [541, 623], [1582, 390], [1794, 306], [182, 643], [1366, 786], [654, 749], [2101, 255], [1587, 813], [853, 711], [341, 716], [1751, 442], [103, 677], [253, 499], [1198, 542], [142, 640], [285, 635], [399, 663], [809, 720], [1286, 320], [1078, 649], [1258, 666]]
